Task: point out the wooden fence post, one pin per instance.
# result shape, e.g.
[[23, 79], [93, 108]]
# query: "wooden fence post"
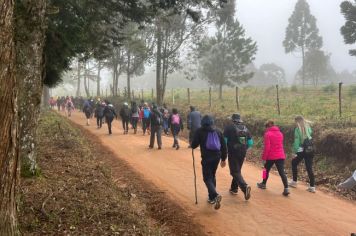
[[152, 95], [173, 100], [237, 98], [340, 99], [278, 104], [210, 98], [142, 98], [133, 95], [188, 91]]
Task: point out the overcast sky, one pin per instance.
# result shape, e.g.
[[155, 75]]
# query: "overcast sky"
[[266, 20]]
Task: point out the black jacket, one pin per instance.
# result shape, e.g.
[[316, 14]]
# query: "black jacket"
[[125, 113], [200, 138], [156, 118], [236, 148], [109, 112]]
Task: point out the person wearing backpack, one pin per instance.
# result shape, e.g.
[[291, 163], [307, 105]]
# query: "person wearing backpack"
[[145, 118], [125, 117], [303, 149], [99, 113], [110, 114], [213, 150], [238, 139], [193, 123], [87, 111], [156, 121], [166, 117], [175, 122], [273, 154], [134, 116]]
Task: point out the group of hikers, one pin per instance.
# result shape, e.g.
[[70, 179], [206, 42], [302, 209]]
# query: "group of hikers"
[[232, 144]]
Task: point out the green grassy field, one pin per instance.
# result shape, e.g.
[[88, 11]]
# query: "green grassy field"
[[316, 104]]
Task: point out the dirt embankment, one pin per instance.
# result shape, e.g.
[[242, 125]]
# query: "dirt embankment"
[[84, 189]]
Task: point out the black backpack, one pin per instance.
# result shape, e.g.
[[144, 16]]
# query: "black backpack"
[[308, 145], [157, 118], [241, 137]]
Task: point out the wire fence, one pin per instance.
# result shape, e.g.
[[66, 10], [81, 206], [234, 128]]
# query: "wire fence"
[[331, 102]]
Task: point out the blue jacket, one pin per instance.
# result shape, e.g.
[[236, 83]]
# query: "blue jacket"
[[194, 120]]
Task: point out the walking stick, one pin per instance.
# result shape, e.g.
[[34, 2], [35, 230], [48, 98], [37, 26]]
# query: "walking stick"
[[195, 179]]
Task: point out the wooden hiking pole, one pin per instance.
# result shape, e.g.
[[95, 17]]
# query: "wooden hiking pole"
[[195, 179]]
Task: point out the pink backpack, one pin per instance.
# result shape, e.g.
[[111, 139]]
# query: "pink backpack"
[[175, 119]]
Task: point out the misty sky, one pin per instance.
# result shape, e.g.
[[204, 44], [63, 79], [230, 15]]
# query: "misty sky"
[[266, 20]]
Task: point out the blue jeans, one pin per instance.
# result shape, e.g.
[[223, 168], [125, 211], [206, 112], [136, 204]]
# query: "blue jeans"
[[209, 171]]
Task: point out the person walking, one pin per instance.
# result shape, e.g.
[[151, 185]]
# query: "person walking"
[[87, 109], [213, 150], [303, 149], [273, 154], [125, 117], [238, 139], [134, 116], [175, 122], [99, 113], [145, 118], [193, 123], [166, 117], [156, 121], [110, 114]]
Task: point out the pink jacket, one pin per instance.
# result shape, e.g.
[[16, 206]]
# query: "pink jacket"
[[273, 144]]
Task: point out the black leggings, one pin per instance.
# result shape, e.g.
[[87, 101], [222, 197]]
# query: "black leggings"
[[280, 167], [125, 125], [308, 159]]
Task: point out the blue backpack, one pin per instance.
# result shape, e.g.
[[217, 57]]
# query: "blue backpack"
[[146, 113], [213, 142]]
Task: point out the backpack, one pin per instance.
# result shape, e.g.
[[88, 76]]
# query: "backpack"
[[241, 137], [175, 119], [213, 142], [146, 113], [308, 145], [157, 119]]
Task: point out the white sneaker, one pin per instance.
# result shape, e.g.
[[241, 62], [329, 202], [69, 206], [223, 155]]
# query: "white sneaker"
[[311, 189], [292, 184]]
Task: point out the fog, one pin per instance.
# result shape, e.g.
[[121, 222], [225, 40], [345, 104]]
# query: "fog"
[[266, 21]]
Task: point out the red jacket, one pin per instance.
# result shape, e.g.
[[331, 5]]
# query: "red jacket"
[[273, 144]]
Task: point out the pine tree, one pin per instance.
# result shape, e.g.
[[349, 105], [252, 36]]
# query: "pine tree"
[[302, 33], [348, 31]]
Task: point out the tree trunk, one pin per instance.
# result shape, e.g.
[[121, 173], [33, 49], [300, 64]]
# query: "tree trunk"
[[30, 42], [98, 80], [78, 79], [86, 80], [128, 75], [303, 66], [220, 91], [158, 62], [9, 122]]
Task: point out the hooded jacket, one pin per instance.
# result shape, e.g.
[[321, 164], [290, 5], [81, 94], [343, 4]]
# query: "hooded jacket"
[[201, 136], [194, 120], [273, 145]]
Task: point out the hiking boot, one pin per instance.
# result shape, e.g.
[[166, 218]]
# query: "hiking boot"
[[247, 193], [286, 192], [261, 185], [233, 191], [292, 184], [211, 201], [177, 148], [311, 189], [217, 202]]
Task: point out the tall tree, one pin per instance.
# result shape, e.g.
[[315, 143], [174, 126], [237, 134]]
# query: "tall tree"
[[30, 39], [9, 122], [348, 31], [302, 33]]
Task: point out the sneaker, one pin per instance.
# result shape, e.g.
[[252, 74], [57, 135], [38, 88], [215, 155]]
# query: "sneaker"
[[233, 191], [261, 185], [177, 147], [292, 184], [311, 189], [218, 202], [286, 192], [247, 193], [211, 201]]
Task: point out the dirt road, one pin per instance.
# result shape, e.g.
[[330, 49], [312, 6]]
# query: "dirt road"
[[266, 213]]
